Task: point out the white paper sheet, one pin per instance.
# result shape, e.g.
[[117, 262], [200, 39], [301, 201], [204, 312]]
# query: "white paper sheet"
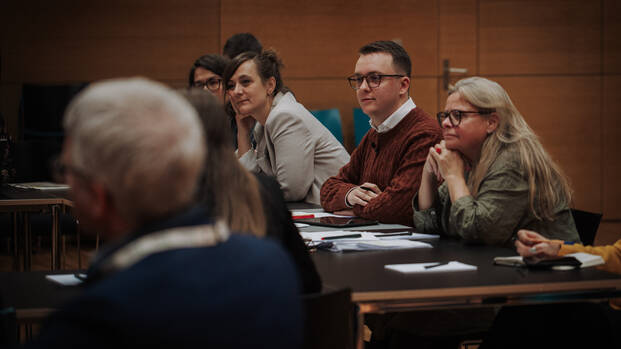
[[65, 279], [420, 267]]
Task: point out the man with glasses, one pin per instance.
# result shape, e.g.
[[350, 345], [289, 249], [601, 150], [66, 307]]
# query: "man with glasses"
[[384, 171]]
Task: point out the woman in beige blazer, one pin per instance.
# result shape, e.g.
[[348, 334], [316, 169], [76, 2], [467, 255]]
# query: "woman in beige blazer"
[[291, 144]]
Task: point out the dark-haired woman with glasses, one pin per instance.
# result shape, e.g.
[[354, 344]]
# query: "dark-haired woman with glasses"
[[490, 176], [206, 73]]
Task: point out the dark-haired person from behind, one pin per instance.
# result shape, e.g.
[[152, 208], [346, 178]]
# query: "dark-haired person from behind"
[[240, 43], [291, 144], [247, 203]]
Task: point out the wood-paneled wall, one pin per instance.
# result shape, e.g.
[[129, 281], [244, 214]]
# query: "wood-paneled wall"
[[560, 60]]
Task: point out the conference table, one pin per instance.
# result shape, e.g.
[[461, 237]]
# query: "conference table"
[[22, 201], [376, 289]]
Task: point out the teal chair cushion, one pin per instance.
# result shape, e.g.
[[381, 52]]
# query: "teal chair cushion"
[[361, 125], [331, 119]]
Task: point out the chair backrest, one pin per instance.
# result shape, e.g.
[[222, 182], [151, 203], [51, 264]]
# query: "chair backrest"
[[331, 119], [329, 320], [361, 125], [586, 224]]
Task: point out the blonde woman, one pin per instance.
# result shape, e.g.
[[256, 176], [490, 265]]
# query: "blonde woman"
[[490, 176]]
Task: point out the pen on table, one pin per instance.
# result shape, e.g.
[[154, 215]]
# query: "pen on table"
[[392, 234], [342, 237], [302, 216], [79, 276], [436, 265]]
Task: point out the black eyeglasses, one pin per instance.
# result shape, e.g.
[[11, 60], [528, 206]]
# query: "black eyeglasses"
[[373, 79], [212, 84], [455, 116]]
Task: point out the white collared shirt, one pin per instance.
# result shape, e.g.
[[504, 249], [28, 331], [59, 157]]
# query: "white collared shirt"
[[396, 117]]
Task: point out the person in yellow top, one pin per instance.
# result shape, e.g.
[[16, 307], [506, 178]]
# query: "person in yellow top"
[[531, 244], [579, 325]]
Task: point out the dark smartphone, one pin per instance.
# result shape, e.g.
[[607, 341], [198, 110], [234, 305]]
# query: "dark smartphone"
[[340, 222]]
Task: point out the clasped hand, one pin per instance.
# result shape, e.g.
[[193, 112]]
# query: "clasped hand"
[[443, 163], [361, 195]]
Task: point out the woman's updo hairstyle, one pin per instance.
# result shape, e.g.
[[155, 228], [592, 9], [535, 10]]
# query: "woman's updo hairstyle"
[[268, 65]]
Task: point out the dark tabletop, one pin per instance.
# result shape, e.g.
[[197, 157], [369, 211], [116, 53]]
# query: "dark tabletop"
[[365, 272], [31, 290]]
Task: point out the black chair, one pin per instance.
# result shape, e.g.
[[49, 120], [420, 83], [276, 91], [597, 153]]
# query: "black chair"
[[586, 224], [330, 320]]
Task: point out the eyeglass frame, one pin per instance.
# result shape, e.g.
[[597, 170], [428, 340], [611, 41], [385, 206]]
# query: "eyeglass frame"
[[353, 79], [441, 116], [205, 84]]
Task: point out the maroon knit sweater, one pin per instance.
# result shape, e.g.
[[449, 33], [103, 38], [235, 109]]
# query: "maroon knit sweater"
[[393, 161]]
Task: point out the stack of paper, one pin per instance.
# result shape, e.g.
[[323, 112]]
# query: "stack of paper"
[[341, 235], [380, 245], [360, 241], [430, 267], [66, 279]]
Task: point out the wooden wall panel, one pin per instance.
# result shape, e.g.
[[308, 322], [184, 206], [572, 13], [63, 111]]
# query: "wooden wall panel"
[[68, 60], [458, 41], [336, 93], [612, 36], [113, 18], [540, 37], [565, 113], [68, 41], [611, 146], [458, 34], [319, 39], [608, 233]]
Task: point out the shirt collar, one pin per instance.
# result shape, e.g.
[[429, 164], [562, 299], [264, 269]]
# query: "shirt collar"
[[396, 117]]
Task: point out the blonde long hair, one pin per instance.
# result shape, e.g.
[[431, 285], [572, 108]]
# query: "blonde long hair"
[[227, 188], [548, 186]]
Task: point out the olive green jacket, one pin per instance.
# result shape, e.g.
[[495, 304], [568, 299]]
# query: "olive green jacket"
[[500, 209]]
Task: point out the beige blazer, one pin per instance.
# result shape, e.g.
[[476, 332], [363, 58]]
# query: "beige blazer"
[[296, 149]]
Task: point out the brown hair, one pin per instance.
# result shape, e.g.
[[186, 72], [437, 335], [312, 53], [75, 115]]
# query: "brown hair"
[[230, 192], [268, 65]]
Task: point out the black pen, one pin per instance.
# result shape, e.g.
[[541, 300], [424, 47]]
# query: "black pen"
[[342, 237], [392, 234], [366, 188], [436, 265]]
